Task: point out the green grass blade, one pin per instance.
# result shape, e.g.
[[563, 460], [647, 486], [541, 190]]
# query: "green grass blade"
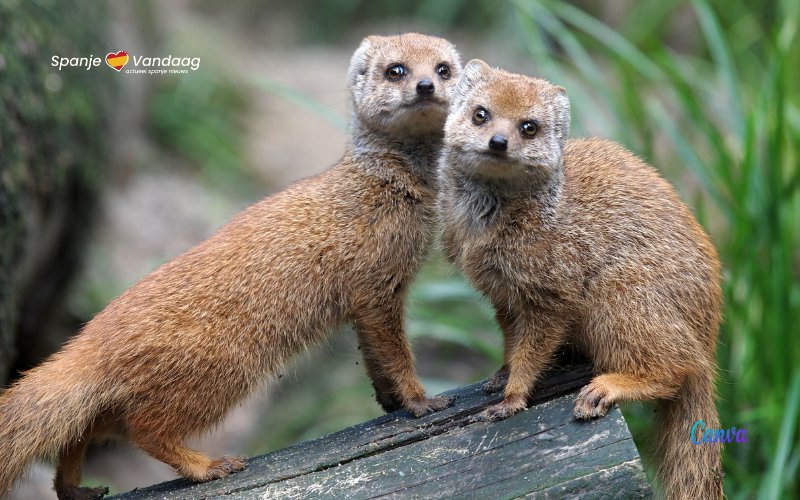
[[686, 152], [772, 487], [693, 99], [646, 18], [721, 55], [615, 44], [536, 43]]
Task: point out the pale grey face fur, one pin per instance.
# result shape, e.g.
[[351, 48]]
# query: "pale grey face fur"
[[413, 104], [511, 104]]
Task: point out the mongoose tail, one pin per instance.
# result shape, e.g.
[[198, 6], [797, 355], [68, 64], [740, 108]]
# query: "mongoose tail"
[[688, 470], [44, 416]]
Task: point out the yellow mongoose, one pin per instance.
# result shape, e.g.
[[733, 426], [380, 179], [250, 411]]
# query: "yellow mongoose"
[[169, 357], [581, 242]]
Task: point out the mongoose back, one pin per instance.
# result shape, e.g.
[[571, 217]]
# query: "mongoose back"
[[581, 242], [170, 356]]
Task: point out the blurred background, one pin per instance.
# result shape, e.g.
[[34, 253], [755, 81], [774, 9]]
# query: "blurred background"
[[104, 176]]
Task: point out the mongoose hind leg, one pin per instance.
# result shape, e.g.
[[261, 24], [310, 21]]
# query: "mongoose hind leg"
[[81, 493], [68, 475], [189, 463], [603, 391], [107, 426]]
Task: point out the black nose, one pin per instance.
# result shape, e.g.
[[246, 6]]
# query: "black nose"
[[425, 87], [498, 143]]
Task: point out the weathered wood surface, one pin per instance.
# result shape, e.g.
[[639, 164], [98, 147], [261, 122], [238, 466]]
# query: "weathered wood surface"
[[541, 452]]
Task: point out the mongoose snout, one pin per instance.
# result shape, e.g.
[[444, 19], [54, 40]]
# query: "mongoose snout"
[[425, 87], [498, 143]]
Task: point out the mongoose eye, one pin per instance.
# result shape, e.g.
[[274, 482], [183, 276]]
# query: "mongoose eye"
[[443, 70], [480, 116], [529, 128], [396, 72]]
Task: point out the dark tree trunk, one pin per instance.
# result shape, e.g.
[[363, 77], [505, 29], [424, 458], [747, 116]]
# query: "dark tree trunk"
[[52, 162]]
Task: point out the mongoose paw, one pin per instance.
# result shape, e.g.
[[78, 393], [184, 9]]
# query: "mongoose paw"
[[77, 493], [425, 406], [225, 466], [497, 383], [500, 411], [593, 401]]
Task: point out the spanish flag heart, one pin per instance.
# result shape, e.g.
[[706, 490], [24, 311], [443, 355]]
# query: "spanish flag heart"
[[118, 60]]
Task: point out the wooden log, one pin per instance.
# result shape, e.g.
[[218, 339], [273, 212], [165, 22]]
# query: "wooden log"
[[542, 451]]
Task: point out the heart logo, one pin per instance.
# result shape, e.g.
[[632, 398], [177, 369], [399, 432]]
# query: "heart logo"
[[117, 60]]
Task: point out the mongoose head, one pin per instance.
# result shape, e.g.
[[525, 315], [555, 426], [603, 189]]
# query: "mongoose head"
[[402, 84], [506, 126]]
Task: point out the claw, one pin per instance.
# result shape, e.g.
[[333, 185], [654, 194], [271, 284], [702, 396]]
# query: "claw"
[[593, 401], [499, 411], [225, 466], [426, 406]]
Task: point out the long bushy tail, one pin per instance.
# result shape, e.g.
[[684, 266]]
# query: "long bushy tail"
[[688, 470], [51, 406]]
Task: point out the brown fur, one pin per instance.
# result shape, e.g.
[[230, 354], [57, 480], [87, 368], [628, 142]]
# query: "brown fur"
[[168, 358], [581, 242]]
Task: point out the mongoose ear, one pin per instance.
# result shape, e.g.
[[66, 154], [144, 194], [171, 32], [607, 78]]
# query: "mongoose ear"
[[562, 99], [561, 110], [359, 64], [475, 71]]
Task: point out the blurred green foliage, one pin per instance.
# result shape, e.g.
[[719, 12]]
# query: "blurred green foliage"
[[444, 306], [200, 119], [35, 96], [333, 20]]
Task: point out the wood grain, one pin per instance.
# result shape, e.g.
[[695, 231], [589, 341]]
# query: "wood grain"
[[539, 452]]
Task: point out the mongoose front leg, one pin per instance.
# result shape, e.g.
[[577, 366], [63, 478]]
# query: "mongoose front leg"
[[537, 338], [389, 360], [506, 320], [384, 389]]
